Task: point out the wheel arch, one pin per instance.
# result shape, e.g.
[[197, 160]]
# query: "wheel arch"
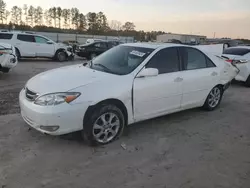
[[18, 51], [60, 50], [113, 101]]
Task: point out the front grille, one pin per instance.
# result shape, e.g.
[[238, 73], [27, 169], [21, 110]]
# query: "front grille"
[[30, 95]]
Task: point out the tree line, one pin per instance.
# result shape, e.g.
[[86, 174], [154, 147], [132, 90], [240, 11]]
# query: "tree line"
[[56, 19]]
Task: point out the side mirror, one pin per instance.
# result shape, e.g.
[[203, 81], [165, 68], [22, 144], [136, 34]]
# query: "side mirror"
[[50, 42], [148, 72]]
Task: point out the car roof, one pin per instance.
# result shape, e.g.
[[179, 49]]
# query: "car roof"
[[152, 45]]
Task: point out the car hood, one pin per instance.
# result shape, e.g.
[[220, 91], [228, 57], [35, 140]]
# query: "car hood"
[[65, 79], [8, 46]]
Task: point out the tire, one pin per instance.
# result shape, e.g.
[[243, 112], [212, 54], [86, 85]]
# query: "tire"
[[104, 125], [5, 70], [247, 83], [213, 99], [92, 56], [18, 54], [61, 56]]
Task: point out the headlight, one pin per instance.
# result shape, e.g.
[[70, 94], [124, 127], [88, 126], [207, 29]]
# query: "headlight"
[[56, 98]]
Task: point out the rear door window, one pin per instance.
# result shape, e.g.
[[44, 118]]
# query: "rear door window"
[[236, 51], [26, 38], [41, 40], [6, 36], [195, 59]]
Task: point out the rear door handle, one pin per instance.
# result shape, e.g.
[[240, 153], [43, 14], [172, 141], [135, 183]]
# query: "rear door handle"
[[214, 74], [178, 79]]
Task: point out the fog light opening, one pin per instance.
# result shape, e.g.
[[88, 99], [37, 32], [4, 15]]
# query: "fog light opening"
[[49, 128]]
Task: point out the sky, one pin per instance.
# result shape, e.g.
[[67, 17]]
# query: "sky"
[[219, 18]]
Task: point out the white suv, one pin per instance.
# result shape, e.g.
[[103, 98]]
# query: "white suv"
[[31, 45]]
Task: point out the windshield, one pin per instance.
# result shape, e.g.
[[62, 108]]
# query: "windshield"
[[120, 60]]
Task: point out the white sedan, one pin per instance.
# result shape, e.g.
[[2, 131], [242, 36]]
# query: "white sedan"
[[8, 59], [127, 84], [240, 57]]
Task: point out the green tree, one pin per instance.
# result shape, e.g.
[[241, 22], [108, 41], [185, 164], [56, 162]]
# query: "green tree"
[[16, 15], [6, 15], [102, 22], [92, 22], [38, 17], [82, 22], [47, 18], [59, 15], [66, 17], [2, 10], [129, 26], [75, 17], [31, 16], [53, 14]]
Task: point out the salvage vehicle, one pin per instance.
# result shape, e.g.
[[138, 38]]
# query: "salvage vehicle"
[[8, 59], [240, 57], [30, 45], [91, 50], [127, 84]]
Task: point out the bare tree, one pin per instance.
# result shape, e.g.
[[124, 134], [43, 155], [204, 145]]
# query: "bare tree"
[[115, 25], [25, 13], [2, 10]]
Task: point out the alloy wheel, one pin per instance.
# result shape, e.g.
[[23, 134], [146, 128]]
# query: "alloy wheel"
[[214, 97], [106, 127]]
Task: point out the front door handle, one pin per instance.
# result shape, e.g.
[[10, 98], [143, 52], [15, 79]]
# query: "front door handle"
[[178, 79], [214, 74]]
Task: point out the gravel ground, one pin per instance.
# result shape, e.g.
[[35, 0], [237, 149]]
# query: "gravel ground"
[[190, 149]]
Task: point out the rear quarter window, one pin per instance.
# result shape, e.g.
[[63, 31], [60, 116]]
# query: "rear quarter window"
[[7, 36], [236, 51]]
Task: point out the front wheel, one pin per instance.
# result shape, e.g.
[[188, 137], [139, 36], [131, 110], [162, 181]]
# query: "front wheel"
[[213, 99], [104, 125], [61, 56]]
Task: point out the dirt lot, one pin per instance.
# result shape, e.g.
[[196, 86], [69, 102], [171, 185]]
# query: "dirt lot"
[[193, 148]]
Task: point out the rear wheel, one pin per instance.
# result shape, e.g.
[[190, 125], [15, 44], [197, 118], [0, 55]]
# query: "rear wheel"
[[104, 125], [214, 98]]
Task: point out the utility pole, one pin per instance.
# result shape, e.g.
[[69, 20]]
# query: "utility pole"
[[214, 35]]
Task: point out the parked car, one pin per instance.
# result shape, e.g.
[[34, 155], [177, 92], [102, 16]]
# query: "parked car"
[[127, 84], [88, 41], [8, 59], [29, 45], [240, 57], [91, 50]]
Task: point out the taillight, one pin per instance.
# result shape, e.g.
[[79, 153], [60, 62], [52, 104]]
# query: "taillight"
[[229, 60], [236, 61]]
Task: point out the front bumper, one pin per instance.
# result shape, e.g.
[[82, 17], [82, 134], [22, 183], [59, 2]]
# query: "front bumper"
[[68, 117], [8, 61]]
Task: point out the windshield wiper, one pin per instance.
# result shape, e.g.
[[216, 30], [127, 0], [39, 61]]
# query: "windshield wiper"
[[86, 63], [104, 67]]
